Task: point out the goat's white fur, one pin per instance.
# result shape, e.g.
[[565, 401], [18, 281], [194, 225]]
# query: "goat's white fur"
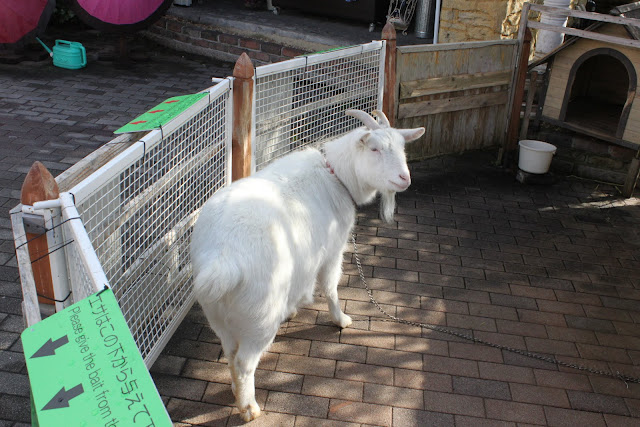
[[260, 245]]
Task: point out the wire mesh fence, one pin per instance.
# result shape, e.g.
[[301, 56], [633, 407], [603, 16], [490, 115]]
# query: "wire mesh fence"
[[128, 224], [302, 101], [139, 214]]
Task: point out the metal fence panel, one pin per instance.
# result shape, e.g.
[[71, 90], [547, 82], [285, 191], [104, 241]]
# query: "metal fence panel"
[[302, 101], [139, 209]]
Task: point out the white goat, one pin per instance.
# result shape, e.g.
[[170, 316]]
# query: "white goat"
[[261, 244]]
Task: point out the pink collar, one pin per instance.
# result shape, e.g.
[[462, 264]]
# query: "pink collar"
[[331, 171]]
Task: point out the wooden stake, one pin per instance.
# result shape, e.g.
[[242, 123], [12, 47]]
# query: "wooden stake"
[[39, 185], [389, 97], [514, 122], [242, 107], [527, 110]]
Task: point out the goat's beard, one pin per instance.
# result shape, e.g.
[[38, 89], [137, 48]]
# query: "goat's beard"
[[387, 205]]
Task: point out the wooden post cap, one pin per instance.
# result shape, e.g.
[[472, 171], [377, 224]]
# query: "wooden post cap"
[[388, 31], [244, 67], [39, 185]]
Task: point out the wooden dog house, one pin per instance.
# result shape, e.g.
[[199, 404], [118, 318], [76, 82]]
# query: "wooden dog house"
[[592, 83]]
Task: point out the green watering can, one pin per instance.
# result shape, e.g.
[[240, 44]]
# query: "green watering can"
[[71, 55]]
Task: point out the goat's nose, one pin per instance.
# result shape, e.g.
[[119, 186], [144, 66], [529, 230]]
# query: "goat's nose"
[[405, 178]]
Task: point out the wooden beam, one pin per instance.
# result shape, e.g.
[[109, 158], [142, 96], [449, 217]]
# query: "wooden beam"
[[389, 97], [585, 34], [591, 16], [459, 103], [453, 46], [38, 186], [243, 73], [445, 84]]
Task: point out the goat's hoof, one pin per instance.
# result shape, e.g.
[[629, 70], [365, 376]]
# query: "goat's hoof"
[[344, 321], [293, 314], [250, 412]]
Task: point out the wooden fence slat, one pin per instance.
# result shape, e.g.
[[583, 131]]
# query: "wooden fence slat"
[[446, 105], [452, 83]]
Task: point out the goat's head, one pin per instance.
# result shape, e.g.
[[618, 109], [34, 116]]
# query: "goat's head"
[[381, 162]]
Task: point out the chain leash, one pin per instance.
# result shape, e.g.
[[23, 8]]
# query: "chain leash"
[[618, 375]]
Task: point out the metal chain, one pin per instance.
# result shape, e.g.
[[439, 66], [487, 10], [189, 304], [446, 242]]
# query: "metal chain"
[[618, 375]]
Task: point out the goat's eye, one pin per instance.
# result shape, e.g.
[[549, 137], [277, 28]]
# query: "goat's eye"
[[375, 150]]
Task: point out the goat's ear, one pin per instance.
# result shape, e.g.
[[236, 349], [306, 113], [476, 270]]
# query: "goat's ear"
[[364, 139], [411, 134]]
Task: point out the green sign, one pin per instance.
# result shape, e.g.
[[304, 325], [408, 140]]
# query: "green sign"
[[85, 369], [162, 113]]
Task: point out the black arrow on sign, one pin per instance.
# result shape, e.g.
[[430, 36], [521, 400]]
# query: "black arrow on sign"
[[62, 398], [49, 348]]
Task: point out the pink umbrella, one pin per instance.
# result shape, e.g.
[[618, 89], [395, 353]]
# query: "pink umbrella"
[[120, 15], [22, 18]]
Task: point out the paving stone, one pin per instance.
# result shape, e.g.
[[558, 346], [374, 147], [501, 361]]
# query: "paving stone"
[[515, 411], [481, 388], [393, 396], [410, 417], [360, 412], [336, 351], [303, 421], [465, 421], [422, 380], [595, 402], [567, 418], [184, 388], [332, 388], [306, 365], [288, 403], [454, 404], [364, 373], [199, 413]]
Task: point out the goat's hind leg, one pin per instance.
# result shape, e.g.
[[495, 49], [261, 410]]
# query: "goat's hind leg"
[[229, 344], [244, 368], [328, 279]]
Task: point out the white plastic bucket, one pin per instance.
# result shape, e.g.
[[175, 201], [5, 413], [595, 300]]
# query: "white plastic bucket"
[[535, 156]]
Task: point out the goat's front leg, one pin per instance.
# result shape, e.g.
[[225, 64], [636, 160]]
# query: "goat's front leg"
[[328, 280]]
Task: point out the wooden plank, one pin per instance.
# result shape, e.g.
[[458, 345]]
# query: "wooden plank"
[[605, 137], [592, 16], [452, 83], [445, 105], [585, 34], [454, 46], [94, 161], [631, 178], [30, 306]]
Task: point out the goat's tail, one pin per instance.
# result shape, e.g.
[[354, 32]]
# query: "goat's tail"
[[214, 279]]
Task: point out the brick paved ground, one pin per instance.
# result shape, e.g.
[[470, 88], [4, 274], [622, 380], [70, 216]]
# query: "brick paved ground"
[[555, 270]]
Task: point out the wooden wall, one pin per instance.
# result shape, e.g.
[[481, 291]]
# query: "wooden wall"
[[561, 68], [458, 91]]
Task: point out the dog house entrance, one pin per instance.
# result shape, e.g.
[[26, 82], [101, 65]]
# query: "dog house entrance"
[[598, 92]]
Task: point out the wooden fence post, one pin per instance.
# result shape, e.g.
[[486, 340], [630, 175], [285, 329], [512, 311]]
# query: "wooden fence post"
[[389, 101], [39, 185], [242, 110], [514, 122]]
